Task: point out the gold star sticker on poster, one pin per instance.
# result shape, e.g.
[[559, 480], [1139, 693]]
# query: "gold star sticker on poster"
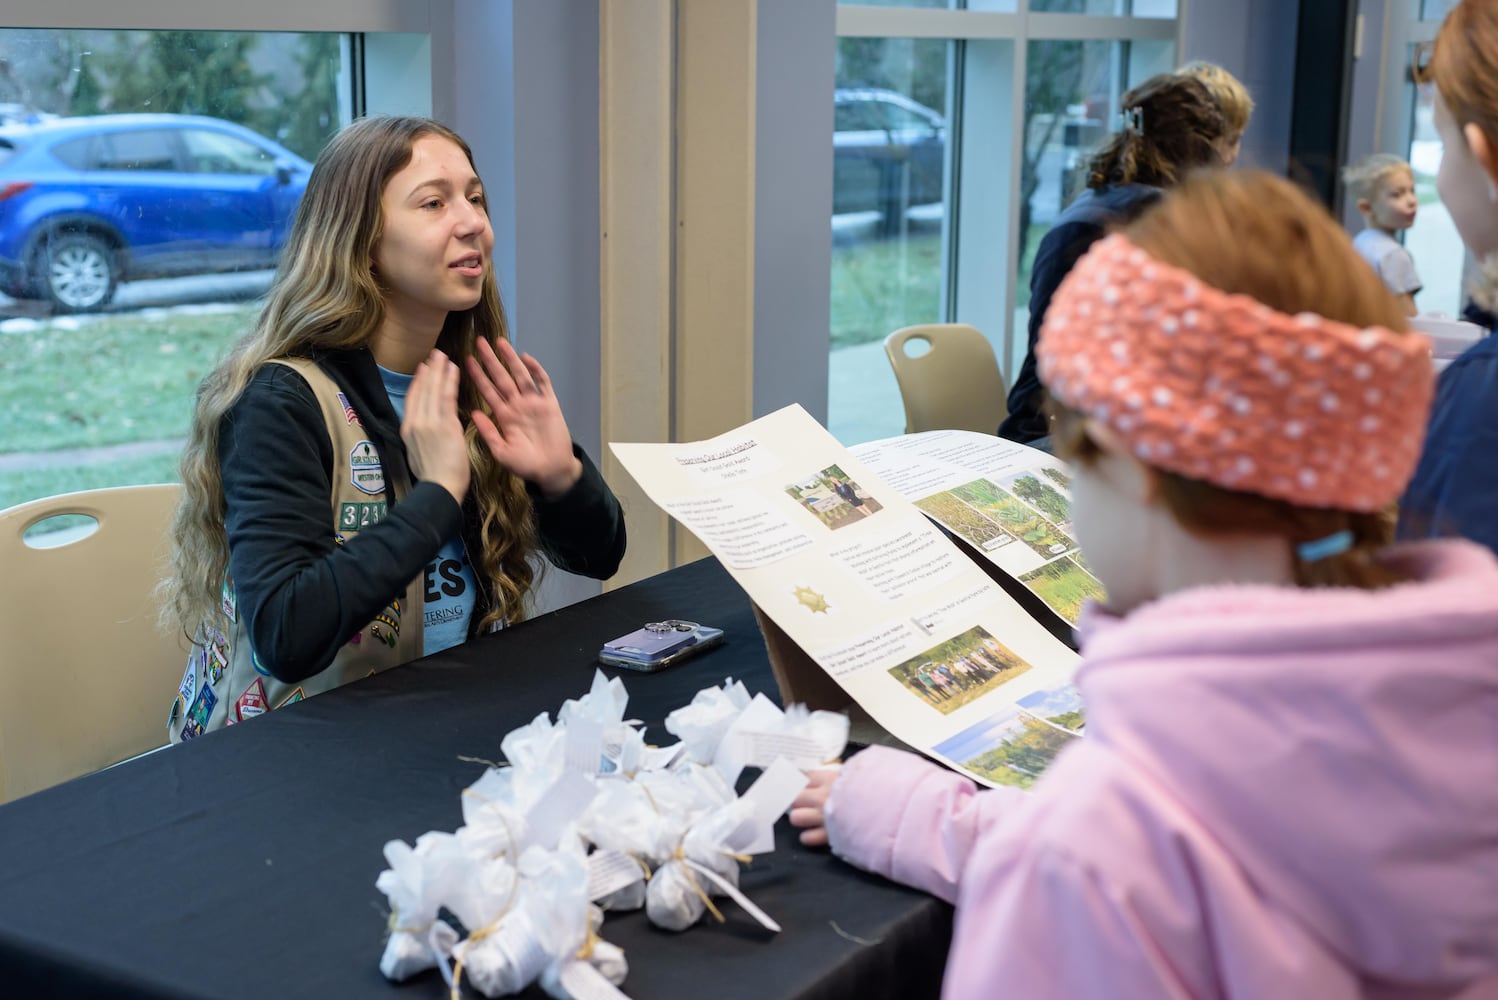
[[812, 600]]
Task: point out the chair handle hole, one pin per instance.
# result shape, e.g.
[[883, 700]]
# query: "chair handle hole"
[[922, 347], [58, 530]]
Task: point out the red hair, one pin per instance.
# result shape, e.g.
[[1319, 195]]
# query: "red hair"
[[1254, 234]]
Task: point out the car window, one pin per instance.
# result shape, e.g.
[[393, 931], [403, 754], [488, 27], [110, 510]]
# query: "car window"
[[901, 119], [74, 152], [857, 116], [220, 153], [142, 149]]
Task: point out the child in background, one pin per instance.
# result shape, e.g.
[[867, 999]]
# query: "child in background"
[[1286, 785], [1232, 98], [1455, 489], [1384, 187]]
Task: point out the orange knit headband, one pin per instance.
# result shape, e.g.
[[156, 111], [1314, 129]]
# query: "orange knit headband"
[[1223, 389]]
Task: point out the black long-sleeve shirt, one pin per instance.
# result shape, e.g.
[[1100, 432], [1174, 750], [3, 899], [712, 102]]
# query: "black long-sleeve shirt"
[[1085, 221], [302, 590]]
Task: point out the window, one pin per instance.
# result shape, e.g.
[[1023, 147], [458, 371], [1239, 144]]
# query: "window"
[[889, 204], [113, 312], [141, 150], [936, 218], [1400, 121], [1071, 106], [903, 3], [1433, 240], [217, 153]]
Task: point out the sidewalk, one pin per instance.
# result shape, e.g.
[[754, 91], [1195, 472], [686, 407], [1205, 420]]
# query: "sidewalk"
[[863, 399]]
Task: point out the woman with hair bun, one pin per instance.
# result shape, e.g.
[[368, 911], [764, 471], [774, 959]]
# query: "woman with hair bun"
[[1171, 125]]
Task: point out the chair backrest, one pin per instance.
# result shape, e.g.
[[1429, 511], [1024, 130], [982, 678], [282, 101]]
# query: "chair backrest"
[[86, 679], [956, 383]]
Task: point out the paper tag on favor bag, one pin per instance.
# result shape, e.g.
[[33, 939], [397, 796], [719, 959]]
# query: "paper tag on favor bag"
[[732, 892], [610, 871], [584, 982]]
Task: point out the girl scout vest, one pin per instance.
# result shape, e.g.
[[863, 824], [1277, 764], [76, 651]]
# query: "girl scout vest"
[[224, 682]]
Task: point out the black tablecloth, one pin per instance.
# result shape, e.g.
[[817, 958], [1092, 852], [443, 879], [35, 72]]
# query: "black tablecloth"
[[243, 864]]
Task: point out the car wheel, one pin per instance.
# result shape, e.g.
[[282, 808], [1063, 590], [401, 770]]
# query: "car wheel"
[[78, 272]]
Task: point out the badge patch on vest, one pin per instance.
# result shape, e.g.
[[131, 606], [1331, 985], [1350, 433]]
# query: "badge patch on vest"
[[250, 704], [348, 411], [189, 680], [390, 618], [365, 472], [353, 516], [292, 699], [199, 714], [216, 657], [229, 605]]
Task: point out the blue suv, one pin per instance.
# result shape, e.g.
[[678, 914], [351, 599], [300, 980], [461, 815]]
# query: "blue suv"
[[88, 202]]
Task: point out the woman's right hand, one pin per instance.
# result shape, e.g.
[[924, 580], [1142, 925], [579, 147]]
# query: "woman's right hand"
[[431, 429], [809, 810]]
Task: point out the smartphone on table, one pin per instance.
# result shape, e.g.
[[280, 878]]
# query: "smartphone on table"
[[658, 645]]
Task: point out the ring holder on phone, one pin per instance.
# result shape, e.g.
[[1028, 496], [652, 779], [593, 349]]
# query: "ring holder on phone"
[[672, 625], [656, 645]]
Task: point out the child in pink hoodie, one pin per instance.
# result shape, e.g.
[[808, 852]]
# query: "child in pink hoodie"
[[1289, 783]]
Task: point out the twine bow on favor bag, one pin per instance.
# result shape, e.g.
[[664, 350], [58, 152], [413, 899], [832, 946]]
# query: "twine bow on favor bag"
[[444, 944], [687, 869]]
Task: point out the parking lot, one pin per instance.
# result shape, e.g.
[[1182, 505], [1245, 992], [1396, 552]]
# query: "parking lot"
[[161, 292]]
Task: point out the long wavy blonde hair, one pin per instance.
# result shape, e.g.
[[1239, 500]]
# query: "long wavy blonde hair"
[[325, 297]]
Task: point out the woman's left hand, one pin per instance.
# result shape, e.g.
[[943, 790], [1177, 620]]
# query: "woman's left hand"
[[526, 433]]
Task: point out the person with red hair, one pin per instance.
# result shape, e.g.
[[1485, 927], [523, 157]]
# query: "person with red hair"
[[1285, 788]]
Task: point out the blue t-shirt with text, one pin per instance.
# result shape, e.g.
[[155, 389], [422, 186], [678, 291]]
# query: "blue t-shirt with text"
[[449, 584]]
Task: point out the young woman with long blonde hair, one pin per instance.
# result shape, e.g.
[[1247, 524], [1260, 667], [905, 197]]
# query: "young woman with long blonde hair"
[[353, 499]]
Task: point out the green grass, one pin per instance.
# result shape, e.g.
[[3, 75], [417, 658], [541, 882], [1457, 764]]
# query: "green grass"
[[1064, 587], [1027, 265], [29, 484], [114, 379], [100, 381], [878, 286], [1425, 189]]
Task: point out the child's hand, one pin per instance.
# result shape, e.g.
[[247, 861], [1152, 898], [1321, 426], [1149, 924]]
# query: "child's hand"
[[809, 809]]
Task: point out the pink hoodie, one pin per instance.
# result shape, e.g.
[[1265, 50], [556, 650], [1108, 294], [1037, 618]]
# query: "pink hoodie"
[[1282, 793]]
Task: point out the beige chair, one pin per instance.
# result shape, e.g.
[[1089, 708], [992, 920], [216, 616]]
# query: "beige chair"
[[86, 680], [956, 383]]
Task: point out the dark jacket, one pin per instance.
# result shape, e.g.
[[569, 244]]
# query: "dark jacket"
[[1085, 221], [302, 592], [1455, 488]]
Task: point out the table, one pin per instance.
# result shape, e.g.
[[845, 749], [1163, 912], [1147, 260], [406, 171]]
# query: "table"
[[243, 864]]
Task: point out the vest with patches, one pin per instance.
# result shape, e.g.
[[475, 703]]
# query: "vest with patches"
[[224, 682]]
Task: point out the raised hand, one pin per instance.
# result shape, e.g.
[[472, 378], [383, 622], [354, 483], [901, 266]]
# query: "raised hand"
[[431, 429], [524, 429]]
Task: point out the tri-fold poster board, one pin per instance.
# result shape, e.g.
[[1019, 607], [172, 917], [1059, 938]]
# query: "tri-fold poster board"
[[951, 640]]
